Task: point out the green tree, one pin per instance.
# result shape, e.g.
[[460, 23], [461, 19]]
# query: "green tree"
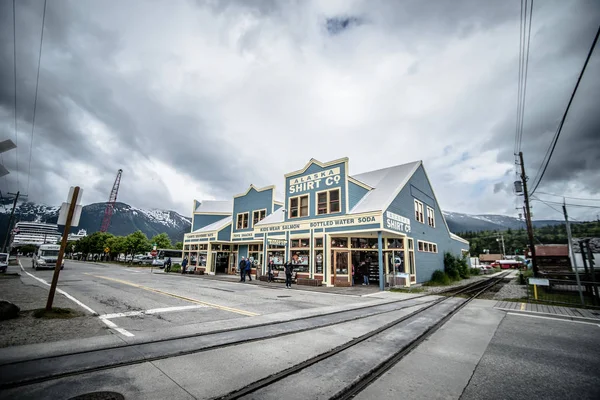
[[162, 241], [117, 245], [138, 242], [83, 246], [178, 246]]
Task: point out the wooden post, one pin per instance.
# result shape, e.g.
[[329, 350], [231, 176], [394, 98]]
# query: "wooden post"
[[63, 245]]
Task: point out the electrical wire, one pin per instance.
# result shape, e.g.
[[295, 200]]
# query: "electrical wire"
[[37, 82], [552, 146], [568, 197], [15, 75]]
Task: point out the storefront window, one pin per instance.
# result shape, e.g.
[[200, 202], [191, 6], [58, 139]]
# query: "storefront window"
[[277, 255], [225, 247], [363, 243], [339, 242], [319, 261], [339, 263], [318, 242], [216, 247], [395, 243], [203, 247], [300, 259]]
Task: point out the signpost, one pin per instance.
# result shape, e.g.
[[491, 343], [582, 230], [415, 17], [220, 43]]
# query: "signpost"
[[538, 282], [69, 215]]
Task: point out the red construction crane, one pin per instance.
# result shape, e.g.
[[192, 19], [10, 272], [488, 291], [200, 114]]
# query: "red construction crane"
[[111, 203]]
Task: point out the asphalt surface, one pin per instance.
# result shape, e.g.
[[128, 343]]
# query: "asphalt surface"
[[140, 300], [534, 358]]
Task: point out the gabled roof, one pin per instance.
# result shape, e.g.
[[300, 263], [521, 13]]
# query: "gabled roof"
[[214, 207], [216, 226], [317, 162], [552, 250], [387, 183], [255, 188], [456, 237], [274, 218]]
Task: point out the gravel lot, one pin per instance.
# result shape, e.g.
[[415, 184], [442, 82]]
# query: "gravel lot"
[[28, 295]]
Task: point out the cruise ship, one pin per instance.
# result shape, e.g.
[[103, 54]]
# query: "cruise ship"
[[72, 237], [35, 233]]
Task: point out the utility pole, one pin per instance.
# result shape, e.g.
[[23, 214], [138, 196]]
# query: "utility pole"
[[63, 245], [10, 220], [501, 240], [528, 216], [572, 254]]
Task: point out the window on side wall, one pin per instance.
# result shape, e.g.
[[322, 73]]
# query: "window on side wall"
[[419, 212], [328, 202], [430, 217], [258, 216], [298, 206], [242, 220]]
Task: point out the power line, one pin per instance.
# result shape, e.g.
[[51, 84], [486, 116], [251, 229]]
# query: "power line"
[[558, 211], [524, 44], [36, 96], [560, 126], [15, 74], [569, 204], [567, 197]]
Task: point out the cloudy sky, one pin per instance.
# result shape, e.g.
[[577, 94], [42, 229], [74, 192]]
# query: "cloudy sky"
[[199, 99]]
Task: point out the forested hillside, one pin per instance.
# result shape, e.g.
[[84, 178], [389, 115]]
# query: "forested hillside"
[[515, 240]]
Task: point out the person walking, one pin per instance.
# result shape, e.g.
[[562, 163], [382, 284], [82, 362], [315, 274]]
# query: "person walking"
[[168, 265], [183, 265], [249, 269], [289, 269], [242, 266], [365, 273], [270, 269]]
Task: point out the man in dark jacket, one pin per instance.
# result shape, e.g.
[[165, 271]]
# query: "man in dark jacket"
[[242, 266], [249, 269], [289, 268], [183, 265]]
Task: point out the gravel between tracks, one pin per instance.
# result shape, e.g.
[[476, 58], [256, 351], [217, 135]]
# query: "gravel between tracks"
[[28, 296]]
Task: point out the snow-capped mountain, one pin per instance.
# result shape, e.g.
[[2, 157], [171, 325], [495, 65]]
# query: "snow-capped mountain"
[[459, 222], [125, 219]]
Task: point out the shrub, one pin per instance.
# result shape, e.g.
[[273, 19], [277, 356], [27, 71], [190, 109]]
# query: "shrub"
[[439, 278], [456, 267], [474, 271], [175, 268]]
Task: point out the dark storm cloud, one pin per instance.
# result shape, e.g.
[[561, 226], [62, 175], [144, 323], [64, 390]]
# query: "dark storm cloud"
[[79, 85], [557, 54]]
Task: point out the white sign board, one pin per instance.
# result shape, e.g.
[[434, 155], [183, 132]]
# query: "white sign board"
[[539, 281], [397, 222], [316, 181], [64, 210]]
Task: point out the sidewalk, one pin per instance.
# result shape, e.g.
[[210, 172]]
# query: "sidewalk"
[[29, 295], [358, 290], [574, 314]]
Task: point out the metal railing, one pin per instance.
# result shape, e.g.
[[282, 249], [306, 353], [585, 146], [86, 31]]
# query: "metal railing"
[[564, 292]]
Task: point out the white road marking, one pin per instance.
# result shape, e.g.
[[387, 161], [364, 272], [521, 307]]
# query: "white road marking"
[[110, 324], [555, 319], [152, 311]]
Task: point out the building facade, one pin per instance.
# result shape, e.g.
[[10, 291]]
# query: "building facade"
[[335, 228]]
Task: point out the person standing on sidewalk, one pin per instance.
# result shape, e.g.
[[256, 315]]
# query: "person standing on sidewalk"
[[289, 269], [270, 269], [183, 265], [242, 266], [249, 269]]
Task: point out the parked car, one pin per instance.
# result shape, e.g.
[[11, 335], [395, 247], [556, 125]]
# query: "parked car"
[[145, 260], [158, 263]]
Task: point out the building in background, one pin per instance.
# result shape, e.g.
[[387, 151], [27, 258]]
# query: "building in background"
[[553, 257], [34, 233], [335, 227]]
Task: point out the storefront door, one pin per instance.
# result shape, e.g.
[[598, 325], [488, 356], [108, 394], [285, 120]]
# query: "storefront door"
[[233, 263], [339, 268]]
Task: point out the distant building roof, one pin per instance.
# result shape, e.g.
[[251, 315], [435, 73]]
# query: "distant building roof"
[[387, 183], [490, 257], [273, 218], [552, 250], [214, 207], [594, 244], [216, 226]]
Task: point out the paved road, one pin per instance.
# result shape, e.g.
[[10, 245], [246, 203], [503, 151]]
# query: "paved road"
[[141, 300]]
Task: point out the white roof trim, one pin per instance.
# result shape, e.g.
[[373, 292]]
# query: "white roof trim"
[[255, 188], [359, 183], [319, 163]]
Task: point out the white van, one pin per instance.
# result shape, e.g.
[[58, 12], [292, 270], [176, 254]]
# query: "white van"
[[46, 256]]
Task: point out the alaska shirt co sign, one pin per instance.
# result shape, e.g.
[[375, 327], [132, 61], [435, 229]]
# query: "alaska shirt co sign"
[[397, 222], [318, 180]]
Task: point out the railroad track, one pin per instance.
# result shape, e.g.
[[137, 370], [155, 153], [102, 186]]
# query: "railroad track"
[[20, 373], [269, 387]]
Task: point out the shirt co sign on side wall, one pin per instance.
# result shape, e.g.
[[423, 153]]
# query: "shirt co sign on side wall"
[[317, 180], [397, 222]]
